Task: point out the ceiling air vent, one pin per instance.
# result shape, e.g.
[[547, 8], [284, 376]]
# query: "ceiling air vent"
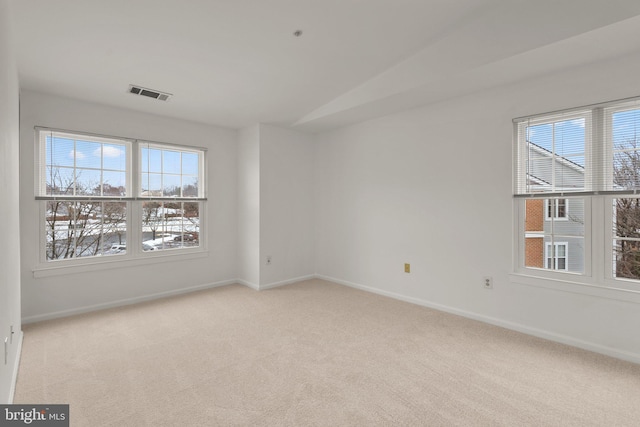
[[151, 93]]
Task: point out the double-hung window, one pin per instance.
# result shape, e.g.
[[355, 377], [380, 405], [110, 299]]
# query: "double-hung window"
[[556, 255], [576, 188], [551, 161], [115, 197], [555, 209]]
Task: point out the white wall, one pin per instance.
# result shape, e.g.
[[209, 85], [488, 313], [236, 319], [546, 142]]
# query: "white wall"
[[249, 206], [286, 205], [9, 210], [68, 293], [432, 187]]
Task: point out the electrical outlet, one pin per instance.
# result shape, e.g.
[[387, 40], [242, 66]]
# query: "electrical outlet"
[[487, 282], [268, 260], [407, 268]]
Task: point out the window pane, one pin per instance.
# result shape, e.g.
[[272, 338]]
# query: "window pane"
[[171, 185], [555, 155], [75, 165], [626, 217], [190, 164], [82, 229], [88, 154], [626, 145], [556, 242], [561, 208], [144, 160], [114, 183], [88, 182], [550, 263], [626, 255], [171, 162], [60, 152], [626, 227], [189, 186], [562, 264], [561, 251], [626, 129], [169, 173], [60, 181], [114, 157], [170, 225], [192, 219], [155, 160], [153, 182], [152, 224], [114, 218], [571, 223]]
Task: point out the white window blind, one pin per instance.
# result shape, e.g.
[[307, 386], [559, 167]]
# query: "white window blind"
[[552, 154], [622, 136], [78, 166], [585, 151], [170, 172]]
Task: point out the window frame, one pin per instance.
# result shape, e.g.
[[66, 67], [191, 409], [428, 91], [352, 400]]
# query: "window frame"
[[599, 194], [134, 254]]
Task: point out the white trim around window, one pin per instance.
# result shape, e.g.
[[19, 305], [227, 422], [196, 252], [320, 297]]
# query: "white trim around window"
[[93, 209], [611, 165]]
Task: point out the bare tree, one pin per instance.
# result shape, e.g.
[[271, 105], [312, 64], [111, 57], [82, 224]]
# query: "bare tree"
[[152, 216], [80, 228], [626, 175]]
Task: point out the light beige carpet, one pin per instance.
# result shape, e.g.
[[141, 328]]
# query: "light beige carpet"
[[313, 353]]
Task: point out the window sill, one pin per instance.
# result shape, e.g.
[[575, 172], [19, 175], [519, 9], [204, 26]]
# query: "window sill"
[[58, 269], [609, 291]]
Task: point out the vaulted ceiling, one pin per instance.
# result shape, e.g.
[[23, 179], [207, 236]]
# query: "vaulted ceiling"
[[237, 62]]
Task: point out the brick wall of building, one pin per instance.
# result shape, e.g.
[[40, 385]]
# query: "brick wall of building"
[[534, 215], [534, 252]]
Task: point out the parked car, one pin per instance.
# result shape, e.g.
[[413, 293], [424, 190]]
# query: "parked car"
[[148, 247], [186, 237], [116, 249]]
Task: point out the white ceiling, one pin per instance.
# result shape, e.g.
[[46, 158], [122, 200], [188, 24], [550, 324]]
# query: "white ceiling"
[[236, 62]]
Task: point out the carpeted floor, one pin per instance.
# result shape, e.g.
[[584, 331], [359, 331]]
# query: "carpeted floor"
[[313, 353]]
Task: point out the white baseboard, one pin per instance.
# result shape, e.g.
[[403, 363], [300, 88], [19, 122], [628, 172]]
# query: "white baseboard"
[[286, 282], [551, 336], [16, 367], [248, 284], [135, 300], [564, 339], [122, 302]]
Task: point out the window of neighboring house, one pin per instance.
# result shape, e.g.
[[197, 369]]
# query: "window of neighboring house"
[[90, 201], [555, 208], [556, 256], [585, 165]]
